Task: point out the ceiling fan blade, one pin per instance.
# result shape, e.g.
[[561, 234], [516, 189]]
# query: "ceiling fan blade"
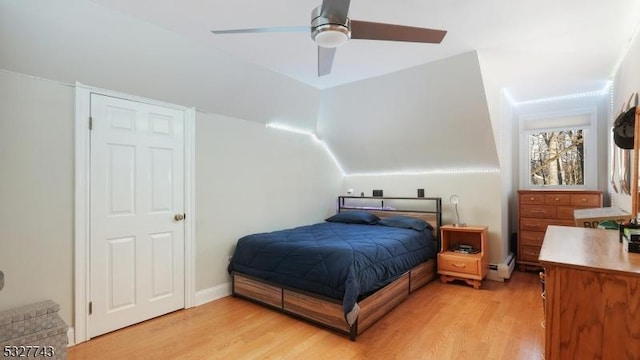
[[263, 30], [380, 31], [325, 60], [336, 10]]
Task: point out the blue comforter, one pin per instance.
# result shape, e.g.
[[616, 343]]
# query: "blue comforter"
[[341, 261]]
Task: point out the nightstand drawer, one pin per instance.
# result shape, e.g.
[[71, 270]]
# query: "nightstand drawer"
[[467, 264]]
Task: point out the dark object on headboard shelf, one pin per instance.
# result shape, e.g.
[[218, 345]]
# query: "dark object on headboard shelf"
[[420, 193], [377, 193]]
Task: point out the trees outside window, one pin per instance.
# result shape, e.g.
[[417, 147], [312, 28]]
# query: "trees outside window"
[[556, 157]]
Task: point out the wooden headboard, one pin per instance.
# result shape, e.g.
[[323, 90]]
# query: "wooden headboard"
[[427, 209]]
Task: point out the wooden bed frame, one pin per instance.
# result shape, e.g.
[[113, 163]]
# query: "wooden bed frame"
[[328, 312]]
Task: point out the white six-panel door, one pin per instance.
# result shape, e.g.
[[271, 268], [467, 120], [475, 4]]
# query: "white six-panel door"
[[137, 197]]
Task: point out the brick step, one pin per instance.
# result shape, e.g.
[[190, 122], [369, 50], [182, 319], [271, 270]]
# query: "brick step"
[[27, 319], [34, 331]]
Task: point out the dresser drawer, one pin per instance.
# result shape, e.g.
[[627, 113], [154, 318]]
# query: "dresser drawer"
[[538, 211], [586, 200], [533, 224], [467, 264], [566, 212], [557, 199], [540, 208], [529, 253], [532, 198], [531, 238]]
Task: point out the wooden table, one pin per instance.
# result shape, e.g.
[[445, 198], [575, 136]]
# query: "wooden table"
[[593, 295]]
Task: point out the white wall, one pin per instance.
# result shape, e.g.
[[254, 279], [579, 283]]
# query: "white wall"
[[480, 199], [501, 110], [432, 116], [626, 81], [248, 178], [36, 192]]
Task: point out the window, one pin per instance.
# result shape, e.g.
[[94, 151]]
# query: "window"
[[558, 150], [556, 157]]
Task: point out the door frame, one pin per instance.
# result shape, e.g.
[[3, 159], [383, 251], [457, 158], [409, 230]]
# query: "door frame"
[[82, 208]]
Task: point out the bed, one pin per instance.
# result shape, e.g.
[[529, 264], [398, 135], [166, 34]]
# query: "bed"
[[344, 273]]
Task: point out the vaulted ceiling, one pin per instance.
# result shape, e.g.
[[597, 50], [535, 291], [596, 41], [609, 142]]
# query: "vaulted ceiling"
[[544, 47], [385, 107]]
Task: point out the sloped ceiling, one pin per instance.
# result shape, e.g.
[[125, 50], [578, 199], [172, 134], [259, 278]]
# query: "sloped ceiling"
[[430, 112], [544, 47], [77, 40]]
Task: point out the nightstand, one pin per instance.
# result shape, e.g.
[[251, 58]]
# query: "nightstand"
[[454, 264]]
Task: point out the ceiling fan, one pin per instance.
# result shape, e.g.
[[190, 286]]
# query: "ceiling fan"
[[330, 28]]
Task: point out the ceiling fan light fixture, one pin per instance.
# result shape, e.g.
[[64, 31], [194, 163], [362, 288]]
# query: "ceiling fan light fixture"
[[331, 35], [331, 28]]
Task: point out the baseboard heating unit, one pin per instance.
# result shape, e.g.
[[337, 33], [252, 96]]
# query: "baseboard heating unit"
[[502, 271]]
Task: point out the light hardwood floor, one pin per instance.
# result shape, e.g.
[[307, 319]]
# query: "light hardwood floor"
[[439, 321]]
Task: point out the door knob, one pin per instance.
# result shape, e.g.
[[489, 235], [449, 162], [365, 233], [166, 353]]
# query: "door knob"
[[179, 217]]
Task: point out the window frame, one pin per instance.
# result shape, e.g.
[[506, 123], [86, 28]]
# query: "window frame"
[[590, 136]]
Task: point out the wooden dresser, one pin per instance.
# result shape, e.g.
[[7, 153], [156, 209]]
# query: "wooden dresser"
[[541, 208], [592, 308]]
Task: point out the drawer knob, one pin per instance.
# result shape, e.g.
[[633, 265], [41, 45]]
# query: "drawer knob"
[[584, 200], [458, 265], [532, 198], [557, 199]]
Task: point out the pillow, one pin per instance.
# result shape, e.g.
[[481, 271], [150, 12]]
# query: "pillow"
[[405, 222], [354, 217]]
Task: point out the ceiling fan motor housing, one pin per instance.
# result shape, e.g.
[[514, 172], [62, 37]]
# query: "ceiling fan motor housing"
[[329, 31]]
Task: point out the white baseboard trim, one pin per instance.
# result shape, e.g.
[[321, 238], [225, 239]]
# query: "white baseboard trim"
[[213, 293], [71, 337]]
